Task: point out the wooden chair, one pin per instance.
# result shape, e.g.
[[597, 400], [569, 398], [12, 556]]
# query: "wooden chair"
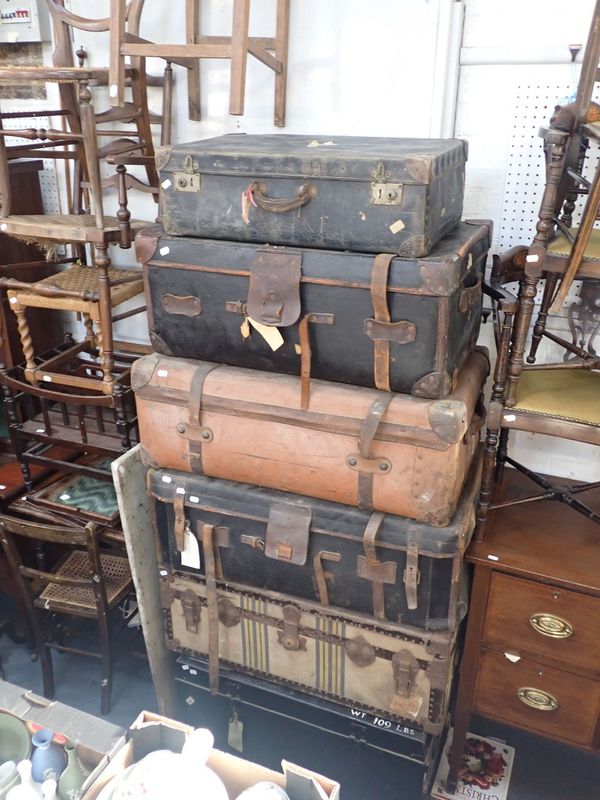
[[65, 24], [556, 399], [560, 252], [93, 229], [77, 290], [271, 51], [85, 584]]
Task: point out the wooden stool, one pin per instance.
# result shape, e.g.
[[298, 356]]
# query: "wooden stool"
[[235, 48], [76, 289]]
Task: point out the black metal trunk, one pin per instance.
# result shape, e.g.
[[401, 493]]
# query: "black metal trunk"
[[367, 753], [339, 192], [403, 325], [384, 565]]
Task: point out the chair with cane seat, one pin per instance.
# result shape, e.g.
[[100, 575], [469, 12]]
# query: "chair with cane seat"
[[85, 584]]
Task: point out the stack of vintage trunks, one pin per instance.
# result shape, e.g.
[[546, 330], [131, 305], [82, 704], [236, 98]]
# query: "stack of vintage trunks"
[[311, 416]]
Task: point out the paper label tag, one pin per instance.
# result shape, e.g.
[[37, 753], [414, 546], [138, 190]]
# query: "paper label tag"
[[190, 555], [272, 336], [235, 734]]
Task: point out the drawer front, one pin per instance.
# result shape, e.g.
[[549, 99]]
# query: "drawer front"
[[537, 698], [556, 625]]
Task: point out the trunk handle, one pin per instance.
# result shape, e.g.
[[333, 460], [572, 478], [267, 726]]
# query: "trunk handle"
[[279, 205]]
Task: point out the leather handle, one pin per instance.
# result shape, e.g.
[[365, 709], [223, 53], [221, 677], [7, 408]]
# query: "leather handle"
[[279, 205]]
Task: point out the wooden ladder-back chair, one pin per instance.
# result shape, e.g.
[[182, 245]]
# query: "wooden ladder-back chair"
[[271, 51], [65, 24], [86, 583], [557, 399]]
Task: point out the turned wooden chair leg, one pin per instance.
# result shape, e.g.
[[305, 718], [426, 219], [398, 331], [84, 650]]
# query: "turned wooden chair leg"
[[540, 323], [104, 328], [487, 483], [90, 334], [25, 336], [281, 54], [527, 294], [501, 456], [239, 56], [123, 214]]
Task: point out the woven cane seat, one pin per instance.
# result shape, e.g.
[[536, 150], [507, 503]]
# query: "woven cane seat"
[[82, 280], [571, 395], [117, 580]]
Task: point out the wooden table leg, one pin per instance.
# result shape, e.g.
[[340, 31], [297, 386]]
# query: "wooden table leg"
[[239, 56], [281, 54], [468, 672], [116, 71], [192, 29]]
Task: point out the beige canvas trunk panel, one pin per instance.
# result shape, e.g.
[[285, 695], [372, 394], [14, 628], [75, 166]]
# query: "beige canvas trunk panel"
[[397, 671], [362, 447]]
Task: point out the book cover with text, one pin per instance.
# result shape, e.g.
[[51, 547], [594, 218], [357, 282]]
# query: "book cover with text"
[[485, 771]]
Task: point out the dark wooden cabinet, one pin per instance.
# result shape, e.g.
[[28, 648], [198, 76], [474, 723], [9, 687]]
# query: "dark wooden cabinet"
[[532, 648], [45, 325]]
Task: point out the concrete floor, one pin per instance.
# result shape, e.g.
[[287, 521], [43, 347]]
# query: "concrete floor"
[[543, 770]]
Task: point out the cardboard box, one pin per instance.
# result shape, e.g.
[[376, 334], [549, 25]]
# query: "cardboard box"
[[153, 732], [96, 739]]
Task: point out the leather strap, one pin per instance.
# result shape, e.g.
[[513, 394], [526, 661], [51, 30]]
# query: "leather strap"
[[381, 313], [368, 430], [195, 410], [208, 547], [321, 575], [179, 524], [369, 536], [306, 353], [412, 575]]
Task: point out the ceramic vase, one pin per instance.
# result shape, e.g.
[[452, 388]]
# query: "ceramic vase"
[[71, 780], [9, 777], [48, 759], [49, 789], [27, 789]]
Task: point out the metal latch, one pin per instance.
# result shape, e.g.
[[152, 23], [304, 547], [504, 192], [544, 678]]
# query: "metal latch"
[[406, 669], [190, 605], [384, 193], [188, 179], [289, 637]]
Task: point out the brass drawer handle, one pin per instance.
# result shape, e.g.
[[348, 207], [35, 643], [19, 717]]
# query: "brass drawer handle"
[[552, 626], [536, 698]]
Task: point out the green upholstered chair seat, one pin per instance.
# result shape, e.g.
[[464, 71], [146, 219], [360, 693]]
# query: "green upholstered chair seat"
[[566, 394], [561, 246]]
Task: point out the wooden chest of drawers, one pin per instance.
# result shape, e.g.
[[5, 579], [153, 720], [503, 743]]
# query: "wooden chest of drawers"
[[532, 649]]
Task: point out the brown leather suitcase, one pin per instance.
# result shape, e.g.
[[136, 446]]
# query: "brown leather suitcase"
[[362, 447]]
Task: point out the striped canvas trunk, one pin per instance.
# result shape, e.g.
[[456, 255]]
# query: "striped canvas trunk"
[[397, 671]]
